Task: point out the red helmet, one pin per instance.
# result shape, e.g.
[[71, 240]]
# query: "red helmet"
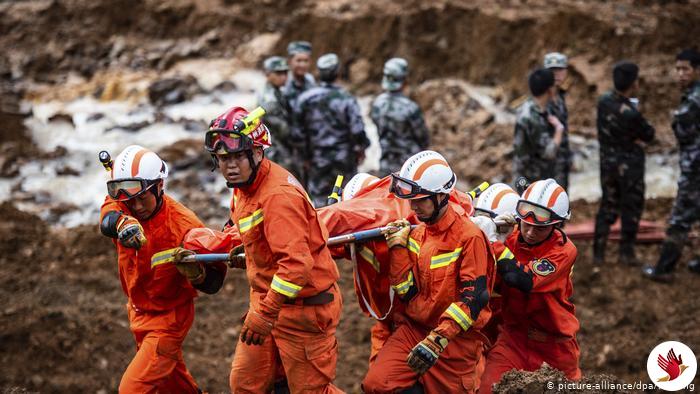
[[231, 132]]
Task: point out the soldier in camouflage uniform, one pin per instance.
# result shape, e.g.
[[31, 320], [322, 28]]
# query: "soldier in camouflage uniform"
[[620, 129], [537, 134], [558, 63], [399, 120], [328, 120], [686, 209], [299, 81], [278, 115]]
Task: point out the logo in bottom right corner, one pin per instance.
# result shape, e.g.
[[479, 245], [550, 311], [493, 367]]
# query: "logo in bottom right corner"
[[672, 366]]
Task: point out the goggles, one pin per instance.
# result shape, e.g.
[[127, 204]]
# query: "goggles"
[[484, 212], [537, 214], [126, 189], [229, 141], [403, 188]]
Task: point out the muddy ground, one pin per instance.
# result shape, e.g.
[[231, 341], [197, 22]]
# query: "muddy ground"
[[63, 326]]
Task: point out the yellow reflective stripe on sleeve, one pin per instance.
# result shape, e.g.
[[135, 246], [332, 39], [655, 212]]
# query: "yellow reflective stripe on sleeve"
[[367, 254], [458, 315], [507, 254], [403, 287], [251, 221], [444, 259], [164, 257], [413, 246], [283, 287]]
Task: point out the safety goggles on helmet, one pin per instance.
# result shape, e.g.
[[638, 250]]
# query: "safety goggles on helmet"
[[406, 189], [126, 189], [229, 141], [537, 214]]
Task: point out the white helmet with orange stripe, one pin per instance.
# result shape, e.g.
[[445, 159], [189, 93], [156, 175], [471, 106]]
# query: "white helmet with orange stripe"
[[497, 199], [424, 174], [544, 203], [135, 170], [356, 183]]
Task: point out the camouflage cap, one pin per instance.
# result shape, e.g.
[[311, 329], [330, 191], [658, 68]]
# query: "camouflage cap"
[[395, 71], [555, 60], [295, 47], [329, 61], [275, 63]]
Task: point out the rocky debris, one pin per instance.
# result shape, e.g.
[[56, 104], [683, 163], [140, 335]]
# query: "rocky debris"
[[549, 380], [173, 90]]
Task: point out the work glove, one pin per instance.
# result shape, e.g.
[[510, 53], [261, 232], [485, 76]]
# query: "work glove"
[[130, 232], [504, 230], [399, 235], [192, 270], [426, 353], [487, 226], [258, 324], [234, 260]]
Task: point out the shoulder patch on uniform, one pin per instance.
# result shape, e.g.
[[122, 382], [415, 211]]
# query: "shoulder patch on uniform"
[[543, 267]]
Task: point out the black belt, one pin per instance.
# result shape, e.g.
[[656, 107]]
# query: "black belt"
[[322, 298]]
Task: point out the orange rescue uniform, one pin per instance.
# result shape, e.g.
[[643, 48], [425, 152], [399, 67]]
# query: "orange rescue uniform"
[[286, 252], [540, 325], [444, 275], [160, 302]]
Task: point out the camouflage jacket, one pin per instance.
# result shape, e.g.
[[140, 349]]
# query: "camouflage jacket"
[[328, 119], [534, 151], [292, 90], [400, 125], [620, 127], [686, 127], [277, 113]]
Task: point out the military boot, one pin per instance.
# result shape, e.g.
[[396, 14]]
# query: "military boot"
[[627, 255], [670, 254], [599, 250]]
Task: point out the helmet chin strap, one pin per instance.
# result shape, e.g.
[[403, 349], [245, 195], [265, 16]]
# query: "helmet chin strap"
[[253, 175], [437, 207]]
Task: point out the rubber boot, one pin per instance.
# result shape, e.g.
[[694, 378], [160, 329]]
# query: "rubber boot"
[[670, 254], [599, 250], [627, 255]]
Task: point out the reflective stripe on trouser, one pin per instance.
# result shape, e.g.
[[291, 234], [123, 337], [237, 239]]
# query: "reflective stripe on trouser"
[[303, 340], [457, 370], [516, 350], [158, 365]]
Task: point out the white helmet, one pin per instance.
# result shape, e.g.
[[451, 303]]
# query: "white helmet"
[[424, 174], [498, 199], [357, 183], [544, 203], [134, 171]]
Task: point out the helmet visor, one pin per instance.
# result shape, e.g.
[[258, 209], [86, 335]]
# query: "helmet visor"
[[125, 189], [536, 214], [406, 189], [227, 140]]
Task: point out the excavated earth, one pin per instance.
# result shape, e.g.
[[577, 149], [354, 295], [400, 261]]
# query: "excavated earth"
[[63, 326]]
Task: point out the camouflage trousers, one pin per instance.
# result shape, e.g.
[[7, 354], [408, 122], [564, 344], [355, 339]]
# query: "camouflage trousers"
[[561, 172], [391, 162], [622, 183]]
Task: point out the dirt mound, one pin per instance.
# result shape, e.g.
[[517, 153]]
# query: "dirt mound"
[[549, 380]]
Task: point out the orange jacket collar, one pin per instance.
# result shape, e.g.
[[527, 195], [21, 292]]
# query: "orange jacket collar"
[[263, 170], [444, 222]]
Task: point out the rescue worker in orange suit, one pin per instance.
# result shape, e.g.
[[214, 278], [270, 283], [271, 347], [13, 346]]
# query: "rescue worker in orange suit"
[[443, 271], [143, 220], [295, 303], [495, 204], [535, 267]]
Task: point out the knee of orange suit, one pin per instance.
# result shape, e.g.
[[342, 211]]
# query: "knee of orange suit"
[[155, 360]]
